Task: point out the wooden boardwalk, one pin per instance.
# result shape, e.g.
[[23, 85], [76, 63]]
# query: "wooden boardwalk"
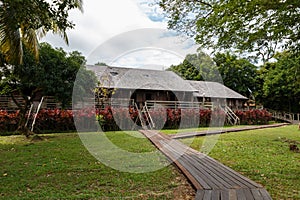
[[211, 179], [213, 132]]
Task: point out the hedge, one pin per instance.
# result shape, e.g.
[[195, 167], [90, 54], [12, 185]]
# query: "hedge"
[[111, 119]]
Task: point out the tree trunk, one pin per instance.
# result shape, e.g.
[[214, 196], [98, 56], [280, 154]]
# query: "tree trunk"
[[22, 129]]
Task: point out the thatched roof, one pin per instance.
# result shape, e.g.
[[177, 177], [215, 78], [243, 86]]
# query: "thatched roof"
[[132, 78], [214, 90]]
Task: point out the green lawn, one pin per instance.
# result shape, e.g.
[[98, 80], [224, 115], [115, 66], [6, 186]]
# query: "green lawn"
[[59, 167], [263, 156]]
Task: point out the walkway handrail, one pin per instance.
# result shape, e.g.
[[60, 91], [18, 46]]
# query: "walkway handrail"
[[230, 115], [148, 117], [233, 115], [179, 104], [140, 115], [286, 116]]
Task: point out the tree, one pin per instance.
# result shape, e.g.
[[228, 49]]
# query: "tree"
[[101, 64], [237, 73], [281, 83], [256, 26], [197, 66], [53, 75], [22, 22]]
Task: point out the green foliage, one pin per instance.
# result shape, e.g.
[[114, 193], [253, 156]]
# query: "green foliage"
[[101, 64], [53, 75], [237, 73], [198, 67], [257, 26], [281, 83], [21, 27]]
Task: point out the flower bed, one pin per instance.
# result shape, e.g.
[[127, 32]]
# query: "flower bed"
[[111, 119]]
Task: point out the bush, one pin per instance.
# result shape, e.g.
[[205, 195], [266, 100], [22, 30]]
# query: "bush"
[[55, 120], [254, 116], [8, 121], [113, 119]]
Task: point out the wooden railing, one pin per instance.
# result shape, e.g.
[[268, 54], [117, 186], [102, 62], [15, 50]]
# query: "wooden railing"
[[293, 118], [231, 117], [179, 104]]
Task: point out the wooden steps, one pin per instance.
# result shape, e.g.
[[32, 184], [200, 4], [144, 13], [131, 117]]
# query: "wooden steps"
[[211, 179]]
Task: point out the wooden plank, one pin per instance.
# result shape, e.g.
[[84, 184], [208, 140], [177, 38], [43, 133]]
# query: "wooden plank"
[[215, 195], [224, 194], [265, 194], [186, 161], [183, 167], [210, 174], [232, 194], [248, 194], [235, 176], [249, 183], [207, 195], [233, 179], [197, 179], [240, 194], [199, 194], [213, 132], [213, 184], [212, 179], [256, 194], [219, 174], [188, 170]]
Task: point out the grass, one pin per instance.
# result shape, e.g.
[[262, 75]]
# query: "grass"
[[263, 156], [59, 167]]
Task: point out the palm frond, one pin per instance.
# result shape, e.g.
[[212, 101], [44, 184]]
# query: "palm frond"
[[10, 36], [30, 40], [78, 4]]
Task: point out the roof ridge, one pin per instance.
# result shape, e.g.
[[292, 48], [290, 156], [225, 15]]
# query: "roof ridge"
[[127, 68]]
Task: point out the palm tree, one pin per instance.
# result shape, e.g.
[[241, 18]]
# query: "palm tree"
[[24, 22]]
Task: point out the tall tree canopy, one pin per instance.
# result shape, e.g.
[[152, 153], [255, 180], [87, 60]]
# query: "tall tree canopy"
[[237, 73], [197, 66], [256, 26], [23, 22], [281, 83], [53, 75]]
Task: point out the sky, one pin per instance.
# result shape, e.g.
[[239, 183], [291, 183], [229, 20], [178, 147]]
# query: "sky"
[[125, 33]]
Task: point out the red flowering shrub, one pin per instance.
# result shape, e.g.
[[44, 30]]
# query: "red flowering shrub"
[[189, 118], [111, 119], [159, 117], [54, 120], [8, 121], [254, 116]]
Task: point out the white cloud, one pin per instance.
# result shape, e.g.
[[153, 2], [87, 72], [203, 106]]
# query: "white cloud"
[[104, 22], [142, 46], [152, 10], [148, 58]]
